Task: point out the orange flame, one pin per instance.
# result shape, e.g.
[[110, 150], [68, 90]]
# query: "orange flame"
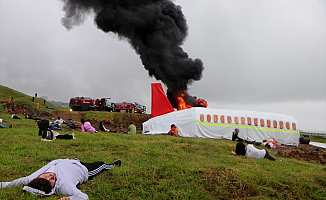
[[183, 105]]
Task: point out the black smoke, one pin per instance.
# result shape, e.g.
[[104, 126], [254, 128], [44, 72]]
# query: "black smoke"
[[156, 29]]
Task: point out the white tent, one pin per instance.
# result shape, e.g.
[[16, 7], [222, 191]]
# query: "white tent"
[[220, 123]]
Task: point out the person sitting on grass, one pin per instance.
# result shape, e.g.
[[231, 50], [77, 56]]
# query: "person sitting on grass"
[[87, 127], [235, 135], [60, 121], [104, 129], [131, 128], [251, 151], [174, 130], [61, 176]]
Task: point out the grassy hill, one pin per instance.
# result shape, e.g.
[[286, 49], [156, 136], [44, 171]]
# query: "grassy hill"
[[22, 104], [23, 99], [155, 167]]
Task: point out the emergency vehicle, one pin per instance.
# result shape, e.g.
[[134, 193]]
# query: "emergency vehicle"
[[82, 104]]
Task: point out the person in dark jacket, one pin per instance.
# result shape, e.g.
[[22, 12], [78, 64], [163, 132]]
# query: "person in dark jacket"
[[235, 135]]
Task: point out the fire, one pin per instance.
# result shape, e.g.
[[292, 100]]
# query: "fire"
[[200, 103], [182, 104]]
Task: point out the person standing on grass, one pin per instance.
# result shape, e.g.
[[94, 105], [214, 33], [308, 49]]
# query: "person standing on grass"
[[86, 126], [61, 176]]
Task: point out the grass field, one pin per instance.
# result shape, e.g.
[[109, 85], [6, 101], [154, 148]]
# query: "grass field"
[[158, 167]]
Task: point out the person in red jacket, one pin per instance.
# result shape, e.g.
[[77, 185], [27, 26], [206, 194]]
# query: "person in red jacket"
[[174, 130]]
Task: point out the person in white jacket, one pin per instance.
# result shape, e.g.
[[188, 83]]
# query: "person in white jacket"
[[61, 176], [251, 151]]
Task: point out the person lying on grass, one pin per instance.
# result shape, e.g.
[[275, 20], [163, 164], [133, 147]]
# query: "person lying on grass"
[[61, 176], [251, 151], [53, 135]]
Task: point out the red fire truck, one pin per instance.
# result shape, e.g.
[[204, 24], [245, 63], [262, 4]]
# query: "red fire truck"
[[82, 104], [104, 104], [86, 103], [130, 107]]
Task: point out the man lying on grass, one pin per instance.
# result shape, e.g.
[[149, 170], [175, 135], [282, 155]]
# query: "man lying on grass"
[[61, 176]]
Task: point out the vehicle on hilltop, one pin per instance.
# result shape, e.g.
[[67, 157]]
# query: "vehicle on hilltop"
[[130, 107], [104, 104], [81, 104]]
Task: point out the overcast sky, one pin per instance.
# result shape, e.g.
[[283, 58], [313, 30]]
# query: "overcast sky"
[[258, 55]]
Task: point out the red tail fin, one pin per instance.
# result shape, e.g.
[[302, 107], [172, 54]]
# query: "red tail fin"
[[160, 103]]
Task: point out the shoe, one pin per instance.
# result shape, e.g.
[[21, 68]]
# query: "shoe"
[[10, 126], [73, 136], [44, 139], [117, 163]]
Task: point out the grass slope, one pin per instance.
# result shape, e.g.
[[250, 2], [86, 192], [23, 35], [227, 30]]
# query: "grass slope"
[[158, 167]]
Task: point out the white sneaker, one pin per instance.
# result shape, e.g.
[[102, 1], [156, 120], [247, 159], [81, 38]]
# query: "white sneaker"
[[73, 136], [43, 139]]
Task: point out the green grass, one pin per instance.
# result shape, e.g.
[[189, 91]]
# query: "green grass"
[[21, 98], [157, 167]]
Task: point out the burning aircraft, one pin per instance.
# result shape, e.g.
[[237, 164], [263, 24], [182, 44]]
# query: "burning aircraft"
[[155, 30], [184, 101]]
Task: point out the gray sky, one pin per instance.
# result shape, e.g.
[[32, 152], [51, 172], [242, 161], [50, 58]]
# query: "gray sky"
[[258, 55]]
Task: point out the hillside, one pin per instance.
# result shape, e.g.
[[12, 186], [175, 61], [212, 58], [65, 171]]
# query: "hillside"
[[22, 104], [154, 167]]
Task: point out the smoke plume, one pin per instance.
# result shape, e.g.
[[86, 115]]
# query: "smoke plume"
[[154, 28]]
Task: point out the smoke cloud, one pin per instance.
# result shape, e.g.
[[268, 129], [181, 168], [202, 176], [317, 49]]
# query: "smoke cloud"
[[154, 28]]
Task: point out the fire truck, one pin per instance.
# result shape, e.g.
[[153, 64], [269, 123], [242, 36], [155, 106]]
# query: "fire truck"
[[140, 108], [130, 107], [104, 104], [82, 104]]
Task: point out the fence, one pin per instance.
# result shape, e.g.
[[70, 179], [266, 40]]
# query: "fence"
[[323, 135]]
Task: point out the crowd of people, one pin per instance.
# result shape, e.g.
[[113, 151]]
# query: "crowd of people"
[[61, 176]]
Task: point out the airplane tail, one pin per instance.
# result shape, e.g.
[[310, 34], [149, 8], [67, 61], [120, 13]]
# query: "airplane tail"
[[160, 103]]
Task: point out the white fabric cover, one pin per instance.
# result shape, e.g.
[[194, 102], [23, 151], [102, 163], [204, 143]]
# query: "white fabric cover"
[[206, 123]]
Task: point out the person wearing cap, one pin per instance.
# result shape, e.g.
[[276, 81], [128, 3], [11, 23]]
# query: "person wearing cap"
[[235, 135], [61, 176]]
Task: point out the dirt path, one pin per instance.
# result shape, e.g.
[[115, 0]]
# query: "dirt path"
[[302, 152]]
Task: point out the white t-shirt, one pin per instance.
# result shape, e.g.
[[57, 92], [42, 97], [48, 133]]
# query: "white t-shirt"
[[252, 152]]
